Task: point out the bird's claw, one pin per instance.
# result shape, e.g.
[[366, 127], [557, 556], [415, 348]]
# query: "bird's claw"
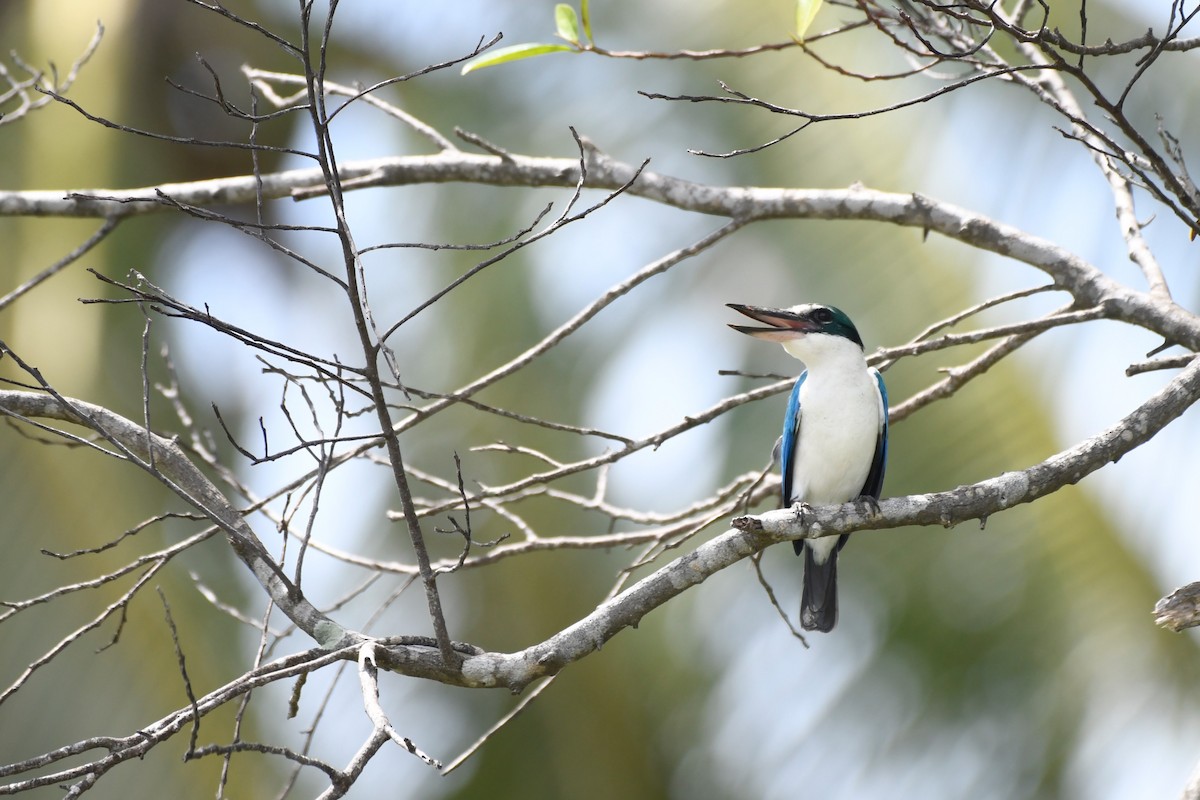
[[799, 509], [865, 501]]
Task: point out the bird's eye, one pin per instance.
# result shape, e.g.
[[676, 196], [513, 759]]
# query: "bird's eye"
[[823, 315]]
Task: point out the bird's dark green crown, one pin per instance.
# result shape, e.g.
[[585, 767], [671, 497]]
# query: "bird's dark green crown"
[[830, 320]]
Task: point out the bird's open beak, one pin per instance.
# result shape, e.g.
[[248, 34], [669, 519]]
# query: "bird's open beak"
[[785, 325]]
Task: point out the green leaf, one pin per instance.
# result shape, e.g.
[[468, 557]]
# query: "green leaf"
[[587, 19], [806, 11], [566, 23], [515, 53]]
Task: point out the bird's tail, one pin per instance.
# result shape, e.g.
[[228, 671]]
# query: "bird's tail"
[[818, 602]]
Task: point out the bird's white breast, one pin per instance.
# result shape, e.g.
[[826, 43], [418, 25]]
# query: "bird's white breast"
[[840, 412]]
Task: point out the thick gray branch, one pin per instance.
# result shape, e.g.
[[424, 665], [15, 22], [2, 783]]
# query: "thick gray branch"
[[1073, 274], [754, 533], [1180, 609]]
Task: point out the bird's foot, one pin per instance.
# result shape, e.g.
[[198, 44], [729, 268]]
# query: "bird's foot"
[[864, 502], [799, 509]]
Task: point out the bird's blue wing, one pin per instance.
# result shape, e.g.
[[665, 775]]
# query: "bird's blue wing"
[[791, 434], [874, 485]]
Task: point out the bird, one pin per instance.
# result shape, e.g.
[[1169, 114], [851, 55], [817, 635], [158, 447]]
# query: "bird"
[[835, 433]]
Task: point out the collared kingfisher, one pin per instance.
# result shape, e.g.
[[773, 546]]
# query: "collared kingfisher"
[[835, 433]]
